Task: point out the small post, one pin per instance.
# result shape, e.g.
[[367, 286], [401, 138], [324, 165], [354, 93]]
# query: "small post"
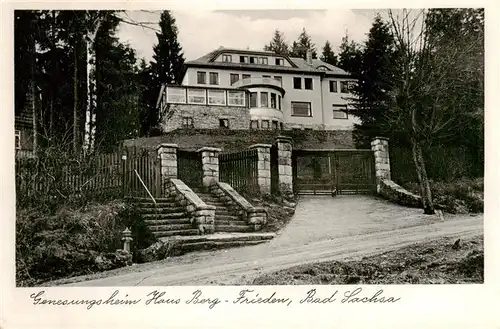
[[127, 238]]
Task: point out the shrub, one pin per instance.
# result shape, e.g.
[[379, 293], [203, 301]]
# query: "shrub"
[[70, 242]]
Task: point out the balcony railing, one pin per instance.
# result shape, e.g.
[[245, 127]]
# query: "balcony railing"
[[257, 81]]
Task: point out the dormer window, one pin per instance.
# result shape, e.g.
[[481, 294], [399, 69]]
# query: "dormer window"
[[227, 58], [280, 61], [323, 68]]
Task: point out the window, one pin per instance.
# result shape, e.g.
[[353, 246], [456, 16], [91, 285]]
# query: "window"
[[197, 96], [340, 112], [253, 60], [266, 76], [214, 78], [279, 61], [224, 123], [253, 99], [333, 87], [301, 109], [17, 139], [344, 87], [201, 78], [264, 100], [245, 76], [297, 83], [216, 97], [279, 102], [187, 122], [308, 83], [227, 58], [280, 79], [265, 124], [273, 100], [176, 95], [234, 77], [236, 97], [254, 124], [243, 59], [263, 60], [275, 125]]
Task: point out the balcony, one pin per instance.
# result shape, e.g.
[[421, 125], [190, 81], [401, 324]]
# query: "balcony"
[[259, 81]]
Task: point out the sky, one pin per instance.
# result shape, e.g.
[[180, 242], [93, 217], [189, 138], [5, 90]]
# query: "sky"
[[201, 31]]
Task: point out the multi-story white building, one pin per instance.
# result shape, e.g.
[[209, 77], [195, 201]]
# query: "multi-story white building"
[[243, 89]]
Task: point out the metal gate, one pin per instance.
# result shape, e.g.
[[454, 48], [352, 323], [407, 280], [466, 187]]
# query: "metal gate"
[[333, 171], [189, 168]]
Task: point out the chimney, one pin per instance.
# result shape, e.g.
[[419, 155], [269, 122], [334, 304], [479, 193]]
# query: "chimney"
[[309, 58]]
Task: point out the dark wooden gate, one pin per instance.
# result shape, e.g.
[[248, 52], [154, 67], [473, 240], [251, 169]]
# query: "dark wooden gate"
[[333, 171], [239, 169], [141, 173], [190, 168]]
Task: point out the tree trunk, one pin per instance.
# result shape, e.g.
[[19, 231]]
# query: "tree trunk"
[[75, 101], [425, 189], [91, 89]]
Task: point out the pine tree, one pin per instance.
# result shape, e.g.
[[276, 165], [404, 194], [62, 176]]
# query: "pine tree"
[[327, 55], [302, 45], [168, 58], [349, 58], [167, 66], [376, 78], [278, 44]]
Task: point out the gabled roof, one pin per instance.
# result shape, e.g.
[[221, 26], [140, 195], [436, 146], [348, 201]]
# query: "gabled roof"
[[298, 64]]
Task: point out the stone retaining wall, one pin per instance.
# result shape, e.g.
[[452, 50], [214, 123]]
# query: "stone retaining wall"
[[397, 194], [202, 215], [255, 216]]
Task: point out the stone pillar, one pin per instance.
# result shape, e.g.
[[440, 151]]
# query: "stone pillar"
[[168, 157], [263, 167], [285, 165], [210, 165], [380, 147]]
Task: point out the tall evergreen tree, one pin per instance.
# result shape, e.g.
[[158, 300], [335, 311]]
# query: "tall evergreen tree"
[[349, 58], [167, 66], [376, 79], [278, 44], [302, 45], [327, 55]]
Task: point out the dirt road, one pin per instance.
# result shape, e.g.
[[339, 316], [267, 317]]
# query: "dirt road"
[[322, 229]]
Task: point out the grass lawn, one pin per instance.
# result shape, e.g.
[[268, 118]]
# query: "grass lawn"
[[443, 261]]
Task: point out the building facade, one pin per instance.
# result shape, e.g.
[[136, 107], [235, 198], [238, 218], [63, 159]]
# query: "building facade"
[[243, 89]]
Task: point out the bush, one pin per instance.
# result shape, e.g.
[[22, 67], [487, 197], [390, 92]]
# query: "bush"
[[74, 241], [461, 196]]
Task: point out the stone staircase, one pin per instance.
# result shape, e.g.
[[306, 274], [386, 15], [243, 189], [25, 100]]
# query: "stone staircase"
[[226, 219], [165, 218]]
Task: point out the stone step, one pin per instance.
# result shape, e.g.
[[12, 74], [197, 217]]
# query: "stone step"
[[254, 236], [160, 234], [210, 245], [225, 212], [165, 216], [230, 222], [227, 217], [161, 210], [148, 200], [170, 221], [233, 228], [171, 227]]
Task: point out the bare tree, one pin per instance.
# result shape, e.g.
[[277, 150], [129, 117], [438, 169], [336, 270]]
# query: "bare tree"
[[428, 98]]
